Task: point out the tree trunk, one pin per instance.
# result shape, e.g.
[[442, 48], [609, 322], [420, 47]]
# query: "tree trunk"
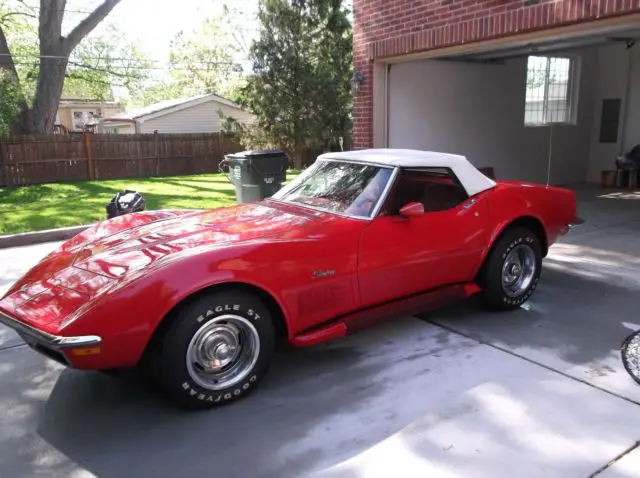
[[41, 117], [297, 158], [6, 62], [54, 58]]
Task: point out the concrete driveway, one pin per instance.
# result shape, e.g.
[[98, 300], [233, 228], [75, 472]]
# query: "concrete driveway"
[[454, 393]]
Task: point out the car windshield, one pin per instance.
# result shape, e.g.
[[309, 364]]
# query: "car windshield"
[[341, 187]]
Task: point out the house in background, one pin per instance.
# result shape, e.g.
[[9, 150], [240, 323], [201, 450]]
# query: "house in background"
[[76, 114], [200, 114]]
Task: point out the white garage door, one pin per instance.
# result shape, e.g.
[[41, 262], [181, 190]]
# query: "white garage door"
[[478, 110]]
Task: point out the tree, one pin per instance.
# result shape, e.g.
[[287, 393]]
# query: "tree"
[[9, 106], [159, 91], [204, 60], [302, 63], [10, 92], [103, 65], [335, 62], [54, 51]]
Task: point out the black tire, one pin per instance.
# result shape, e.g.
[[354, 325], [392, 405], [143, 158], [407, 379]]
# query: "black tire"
[[493, 293], [629, 354], [172, 370]]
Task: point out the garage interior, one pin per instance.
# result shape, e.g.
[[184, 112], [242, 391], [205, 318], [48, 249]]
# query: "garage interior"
[[546, 110]]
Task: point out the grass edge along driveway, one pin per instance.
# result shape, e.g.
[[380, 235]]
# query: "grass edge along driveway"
[[53, 205]]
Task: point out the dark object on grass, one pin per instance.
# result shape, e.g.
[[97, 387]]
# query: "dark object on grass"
[[125, 202]]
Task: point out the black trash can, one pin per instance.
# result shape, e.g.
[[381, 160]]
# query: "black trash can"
[[256, 175]]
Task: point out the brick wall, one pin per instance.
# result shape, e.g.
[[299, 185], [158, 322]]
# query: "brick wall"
[[385, 28]]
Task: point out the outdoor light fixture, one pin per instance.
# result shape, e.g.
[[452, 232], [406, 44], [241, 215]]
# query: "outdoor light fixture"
[[356, 82]]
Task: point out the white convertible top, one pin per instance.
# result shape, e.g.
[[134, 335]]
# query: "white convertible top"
[[470, 177]]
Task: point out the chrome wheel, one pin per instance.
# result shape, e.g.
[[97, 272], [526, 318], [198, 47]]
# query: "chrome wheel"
[[518, 270], [631, 355], [223, 352]]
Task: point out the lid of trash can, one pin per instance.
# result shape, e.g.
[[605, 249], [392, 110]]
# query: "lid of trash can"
[[257, 153]]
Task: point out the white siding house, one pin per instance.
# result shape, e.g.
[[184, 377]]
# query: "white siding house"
[[76, 114], [201, 114]]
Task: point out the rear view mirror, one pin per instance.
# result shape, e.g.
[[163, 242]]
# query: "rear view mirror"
[[412, 209]]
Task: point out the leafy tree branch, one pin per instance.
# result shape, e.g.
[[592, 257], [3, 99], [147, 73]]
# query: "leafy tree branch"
[[38, 37]]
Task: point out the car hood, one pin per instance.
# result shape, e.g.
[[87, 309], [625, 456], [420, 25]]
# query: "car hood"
[[131, 249], [95, 260]]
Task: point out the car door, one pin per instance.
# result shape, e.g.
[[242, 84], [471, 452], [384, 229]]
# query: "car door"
[[399, 256]]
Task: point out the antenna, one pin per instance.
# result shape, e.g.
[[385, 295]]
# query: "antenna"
[[550, 153]]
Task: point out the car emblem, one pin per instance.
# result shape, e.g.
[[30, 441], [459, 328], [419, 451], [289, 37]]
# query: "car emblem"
[[320, 273]]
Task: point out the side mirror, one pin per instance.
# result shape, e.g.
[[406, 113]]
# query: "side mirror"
[[412, 209]]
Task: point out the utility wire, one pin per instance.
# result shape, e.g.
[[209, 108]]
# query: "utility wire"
[[111, 15], [56, 57], [130, 68]]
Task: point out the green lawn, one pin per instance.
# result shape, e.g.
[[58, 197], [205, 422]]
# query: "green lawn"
[[48, 206]]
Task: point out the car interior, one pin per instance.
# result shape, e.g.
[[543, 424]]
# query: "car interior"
[[436, 189]]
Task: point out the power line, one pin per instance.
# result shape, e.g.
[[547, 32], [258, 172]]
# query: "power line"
[[59, 57], [133, 69], [64, 10], [83, 12]]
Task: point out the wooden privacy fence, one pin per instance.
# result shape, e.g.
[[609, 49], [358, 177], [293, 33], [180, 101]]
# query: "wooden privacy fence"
[[53, 158]]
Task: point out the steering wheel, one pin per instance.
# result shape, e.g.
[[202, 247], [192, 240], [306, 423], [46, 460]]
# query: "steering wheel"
[[366, 200]]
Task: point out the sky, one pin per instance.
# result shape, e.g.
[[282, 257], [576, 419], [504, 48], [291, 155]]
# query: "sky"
[[153, 23]]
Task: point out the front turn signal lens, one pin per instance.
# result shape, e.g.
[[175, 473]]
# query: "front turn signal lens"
[[83, 352]]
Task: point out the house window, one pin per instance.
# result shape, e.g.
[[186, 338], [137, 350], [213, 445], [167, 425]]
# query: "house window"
[[84, 119], [549, 91]]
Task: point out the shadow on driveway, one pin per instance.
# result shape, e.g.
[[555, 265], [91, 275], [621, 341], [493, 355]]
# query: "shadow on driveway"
[[407, 391]]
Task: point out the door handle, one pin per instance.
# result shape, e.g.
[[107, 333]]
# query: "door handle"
[[470, 203]]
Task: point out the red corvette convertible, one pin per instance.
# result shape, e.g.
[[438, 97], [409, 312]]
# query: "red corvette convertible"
[[199, 299]]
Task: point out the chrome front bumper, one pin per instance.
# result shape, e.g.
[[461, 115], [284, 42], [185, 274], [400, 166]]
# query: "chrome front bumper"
[[54, 342]]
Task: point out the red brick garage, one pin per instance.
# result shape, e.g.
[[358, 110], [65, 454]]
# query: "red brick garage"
[[399, 31]]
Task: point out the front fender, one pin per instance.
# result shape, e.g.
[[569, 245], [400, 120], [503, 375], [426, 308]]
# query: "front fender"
[[130, 312]]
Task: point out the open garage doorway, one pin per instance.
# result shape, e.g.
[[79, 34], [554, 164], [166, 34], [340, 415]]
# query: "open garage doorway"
[[558, 111]]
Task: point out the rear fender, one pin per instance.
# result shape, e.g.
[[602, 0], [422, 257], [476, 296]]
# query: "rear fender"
[[529, 221], [511, 212]]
